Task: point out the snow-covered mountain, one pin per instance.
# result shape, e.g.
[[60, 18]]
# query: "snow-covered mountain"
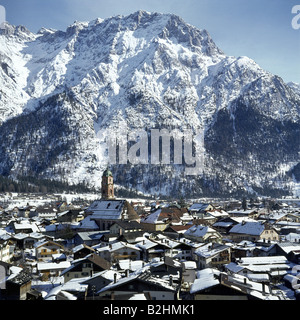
[[62, 91], [295, 86]]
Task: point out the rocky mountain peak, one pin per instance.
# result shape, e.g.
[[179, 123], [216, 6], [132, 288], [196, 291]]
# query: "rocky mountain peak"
[[62, 91]]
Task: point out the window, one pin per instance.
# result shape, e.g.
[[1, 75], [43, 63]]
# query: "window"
[[87, 265]]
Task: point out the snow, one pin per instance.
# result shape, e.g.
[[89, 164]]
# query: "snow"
[[129, 70], [42, 266], [264, 260], [152, 217], [252, 228], [199, 231], [127, 264], [74, 285], [206, 278]]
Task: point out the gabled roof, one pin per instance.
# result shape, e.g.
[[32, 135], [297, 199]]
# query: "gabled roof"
[[251, 228], [206, 278], [107, 209], [198, 206], [88, 223], [144, 277], [147, 244], [162, 215], [199, 231], [74, 286], [288, 247], [20, 278], [117, 246], [208, 250], [82, 246], [44, 242], [91, 235], [177, 228], [42, 266], [94, 258], [264, 260], [153, 217], [105, 274], [111, 210]]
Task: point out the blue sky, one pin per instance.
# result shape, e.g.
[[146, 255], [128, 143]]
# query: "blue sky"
[[259, 29]]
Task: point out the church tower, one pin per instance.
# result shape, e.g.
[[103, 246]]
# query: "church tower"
[[107, 188]]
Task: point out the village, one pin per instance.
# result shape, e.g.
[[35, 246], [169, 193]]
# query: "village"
[[105, 248]]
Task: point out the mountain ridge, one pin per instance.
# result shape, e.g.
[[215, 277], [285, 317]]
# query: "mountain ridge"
[[62, 91]]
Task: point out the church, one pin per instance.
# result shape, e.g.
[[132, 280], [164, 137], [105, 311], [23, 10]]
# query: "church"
[[108, 210]]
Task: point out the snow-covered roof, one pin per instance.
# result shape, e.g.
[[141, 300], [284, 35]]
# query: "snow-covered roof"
[[41, 266], [288, 247], [72, 286], [128, 264], [189, 265], [198, 206], [251, 228], [242, 211], [199, 231], [264, 260], [146, 244], [117, 246], [26, 224], [91, 235], [107, 209], [233, 267], [258, 277], [208, 250], [218, 214], [152, 217], [43, 242], [206, 278], [107, 274], [144, 276], [88, 223]]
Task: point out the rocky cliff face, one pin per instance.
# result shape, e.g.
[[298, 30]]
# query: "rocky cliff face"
[[62, 91]]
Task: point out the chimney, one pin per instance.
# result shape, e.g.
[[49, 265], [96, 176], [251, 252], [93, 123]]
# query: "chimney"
[[115, 277], [263, 287], [245, 280], [127, 273]]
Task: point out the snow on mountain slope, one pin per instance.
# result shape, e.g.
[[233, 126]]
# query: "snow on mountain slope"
[[295, 86], [61, 92]]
